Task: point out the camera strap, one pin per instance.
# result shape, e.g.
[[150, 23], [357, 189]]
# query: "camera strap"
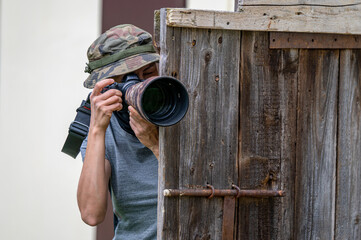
[[78, 129]]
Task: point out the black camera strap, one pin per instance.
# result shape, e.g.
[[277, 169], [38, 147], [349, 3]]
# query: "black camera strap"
[[78, 129]]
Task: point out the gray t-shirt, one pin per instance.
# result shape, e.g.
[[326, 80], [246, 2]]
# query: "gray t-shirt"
[[133, 182]]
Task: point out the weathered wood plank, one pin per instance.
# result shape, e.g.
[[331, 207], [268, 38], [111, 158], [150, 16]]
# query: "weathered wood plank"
[[348, 205], [283, 40], [297, 2], [286, 72], [267, 136], [203, 147], [342, 20], [209, 59], [169, 142], [316, 144], [156, 34]]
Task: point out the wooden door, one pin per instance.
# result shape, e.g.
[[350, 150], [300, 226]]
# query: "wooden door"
[[264, 119]]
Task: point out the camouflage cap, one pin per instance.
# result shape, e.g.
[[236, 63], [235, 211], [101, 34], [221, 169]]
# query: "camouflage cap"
[[120, 50]]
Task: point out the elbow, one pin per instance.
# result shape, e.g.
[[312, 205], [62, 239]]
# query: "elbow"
[[92, 212], [92, 219]]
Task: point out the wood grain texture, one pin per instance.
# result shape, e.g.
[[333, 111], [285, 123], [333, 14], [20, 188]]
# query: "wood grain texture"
[[348, 205], [202, 149], [156, 34], [316, 144], [169, 142], [343, 20], [293, 123], [267, 136], [209, 58], [283, 40], [297, 2]]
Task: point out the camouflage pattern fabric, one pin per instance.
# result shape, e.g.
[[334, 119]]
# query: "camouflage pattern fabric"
[[116, 39]]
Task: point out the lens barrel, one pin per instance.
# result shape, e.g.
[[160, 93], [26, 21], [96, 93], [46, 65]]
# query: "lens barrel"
[[162, 101]]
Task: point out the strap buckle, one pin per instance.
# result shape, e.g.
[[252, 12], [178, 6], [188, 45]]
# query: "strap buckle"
[[79, 128]]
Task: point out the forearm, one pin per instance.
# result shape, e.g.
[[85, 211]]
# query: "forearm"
[[93, 182]]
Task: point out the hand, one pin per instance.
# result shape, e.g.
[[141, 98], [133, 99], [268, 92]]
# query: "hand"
[[146, 132], [103, 104]]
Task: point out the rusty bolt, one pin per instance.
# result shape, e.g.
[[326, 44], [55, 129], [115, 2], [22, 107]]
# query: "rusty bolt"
[[274, 17], [174, 74]]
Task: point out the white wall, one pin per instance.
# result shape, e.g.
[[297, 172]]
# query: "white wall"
[[43, 47], [224, 5]]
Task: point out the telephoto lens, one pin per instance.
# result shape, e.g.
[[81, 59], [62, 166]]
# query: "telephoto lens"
[[162, 101]]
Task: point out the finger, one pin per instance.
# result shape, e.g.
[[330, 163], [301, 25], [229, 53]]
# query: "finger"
[[131, 109], [131, 123], [100, 85], [112, 100], [135, 118], [110, 93], [108, 110], [114, 107], [134, 113], [136, 127]]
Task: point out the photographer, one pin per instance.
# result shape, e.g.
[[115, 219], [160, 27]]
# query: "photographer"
[[116, 157]]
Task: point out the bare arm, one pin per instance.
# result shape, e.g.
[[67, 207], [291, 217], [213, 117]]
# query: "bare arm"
[[93, 183]]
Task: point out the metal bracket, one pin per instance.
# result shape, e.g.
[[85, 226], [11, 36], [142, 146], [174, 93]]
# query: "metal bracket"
[[283, 40], [229, 206]]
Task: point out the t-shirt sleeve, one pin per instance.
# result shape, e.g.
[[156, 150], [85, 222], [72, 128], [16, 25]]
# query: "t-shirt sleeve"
[[83, 148]]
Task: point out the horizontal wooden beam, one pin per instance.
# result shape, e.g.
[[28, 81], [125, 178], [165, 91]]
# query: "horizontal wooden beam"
[[298, 2], [283, 40], [314, 19]]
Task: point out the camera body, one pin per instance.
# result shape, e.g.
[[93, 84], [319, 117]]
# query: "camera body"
[[127, 81], [162, 101]]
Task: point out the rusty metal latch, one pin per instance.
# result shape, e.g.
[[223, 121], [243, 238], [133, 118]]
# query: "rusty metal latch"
[[211, 192], [229, 203]]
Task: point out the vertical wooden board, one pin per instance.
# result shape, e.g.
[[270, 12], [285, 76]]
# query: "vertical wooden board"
[[169, 141], [348, 203], [203, 147], [156, 34], [209, 66], [286, 72], [267, 136], [316, 144]]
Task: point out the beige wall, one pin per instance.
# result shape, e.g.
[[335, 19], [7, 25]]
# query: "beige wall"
[[43, 47], [225, 5]]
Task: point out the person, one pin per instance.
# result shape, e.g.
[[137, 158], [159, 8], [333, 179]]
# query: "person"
[[124, 161]]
